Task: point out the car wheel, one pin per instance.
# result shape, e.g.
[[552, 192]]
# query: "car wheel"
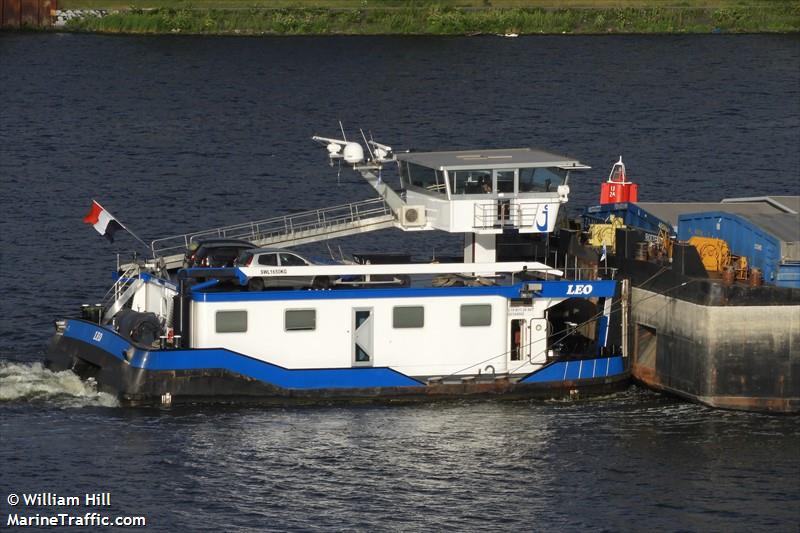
[[255, 284], [321, 282]]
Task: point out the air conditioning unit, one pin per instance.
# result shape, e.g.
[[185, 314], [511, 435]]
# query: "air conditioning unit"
[[412, 216]]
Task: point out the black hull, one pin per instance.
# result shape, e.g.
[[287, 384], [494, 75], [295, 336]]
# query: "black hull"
[[138, 386]]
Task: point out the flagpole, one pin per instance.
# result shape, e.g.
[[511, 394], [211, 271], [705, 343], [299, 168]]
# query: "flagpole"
[[122, 225], [134, 235]]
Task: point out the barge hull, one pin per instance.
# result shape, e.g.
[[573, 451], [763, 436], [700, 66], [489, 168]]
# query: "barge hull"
[[135, 385], [731, 357]]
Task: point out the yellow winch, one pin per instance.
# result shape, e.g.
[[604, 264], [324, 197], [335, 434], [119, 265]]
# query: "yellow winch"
[[715, 253], [605, 234]]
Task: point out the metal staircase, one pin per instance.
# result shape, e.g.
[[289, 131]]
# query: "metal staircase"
[[289, 230], [123, 289]]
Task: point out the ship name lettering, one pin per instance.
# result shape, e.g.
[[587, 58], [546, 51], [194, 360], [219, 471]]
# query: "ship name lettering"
[[579, 289]]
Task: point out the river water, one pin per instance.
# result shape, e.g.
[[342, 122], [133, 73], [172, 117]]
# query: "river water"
[[175, 134]]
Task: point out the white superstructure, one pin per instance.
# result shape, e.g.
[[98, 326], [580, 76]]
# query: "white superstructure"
[[480, 193]]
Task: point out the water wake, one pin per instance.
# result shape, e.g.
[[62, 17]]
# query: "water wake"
[[32, 382]]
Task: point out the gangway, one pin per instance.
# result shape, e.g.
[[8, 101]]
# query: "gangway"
[[285, 231]]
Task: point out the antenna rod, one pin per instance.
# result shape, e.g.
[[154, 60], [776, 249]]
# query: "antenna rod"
[[371, 155]]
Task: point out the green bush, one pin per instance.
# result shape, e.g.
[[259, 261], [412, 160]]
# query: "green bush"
[[442, 20]]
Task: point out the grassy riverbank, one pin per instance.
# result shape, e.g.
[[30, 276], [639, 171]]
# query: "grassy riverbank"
[[464, 17]]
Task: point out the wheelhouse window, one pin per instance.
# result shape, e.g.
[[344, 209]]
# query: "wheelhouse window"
[[231, 321], [476, 315], [300, 320], [471, 181], [426, 178], [408, 317], [541, 179], [505, 181]]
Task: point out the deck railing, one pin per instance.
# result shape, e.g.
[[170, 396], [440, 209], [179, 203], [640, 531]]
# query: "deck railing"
[[505, 213], [306, 221]]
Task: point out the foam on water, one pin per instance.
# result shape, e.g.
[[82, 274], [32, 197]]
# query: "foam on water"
[[28, 382]]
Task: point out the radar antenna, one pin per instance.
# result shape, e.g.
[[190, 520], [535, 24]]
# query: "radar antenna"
[[339, 149], [383, 153], [370, 169]]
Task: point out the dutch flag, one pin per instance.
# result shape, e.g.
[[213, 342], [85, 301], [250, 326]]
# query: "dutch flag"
[[103, 221]]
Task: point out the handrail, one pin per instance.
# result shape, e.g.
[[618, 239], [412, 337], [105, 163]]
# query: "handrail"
[[495, 214], [281, 225], [121, 282], [584, 273], [123, 298], [593, 272], [500, 212]]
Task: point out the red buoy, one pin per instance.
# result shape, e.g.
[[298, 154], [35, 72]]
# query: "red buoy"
[[618, 189]]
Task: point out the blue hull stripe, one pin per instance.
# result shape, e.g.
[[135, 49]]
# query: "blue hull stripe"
[[507, 291], [545, 289], [328, 378], [573, 370], [325, 378]]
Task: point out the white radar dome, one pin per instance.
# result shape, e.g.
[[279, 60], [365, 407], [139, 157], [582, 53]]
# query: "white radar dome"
[[353, 153]]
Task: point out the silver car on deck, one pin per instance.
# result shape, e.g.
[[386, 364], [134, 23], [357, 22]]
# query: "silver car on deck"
[[275, 257]]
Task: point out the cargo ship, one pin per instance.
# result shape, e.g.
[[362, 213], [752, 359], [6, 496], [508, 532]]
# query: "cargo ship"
[[273, 328]]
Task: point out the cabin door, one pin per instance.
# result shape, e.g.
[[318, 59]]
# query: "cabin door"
[[519, 341], [506, 188], [362, 342], [528, 342]]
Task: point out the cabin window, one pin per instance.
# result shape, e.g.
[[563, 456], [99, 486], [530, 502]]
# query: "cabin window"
[[426, 178], [541, 179], [408, 317], [476, 315], [231, 321], [471, 181], [300, 320]]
